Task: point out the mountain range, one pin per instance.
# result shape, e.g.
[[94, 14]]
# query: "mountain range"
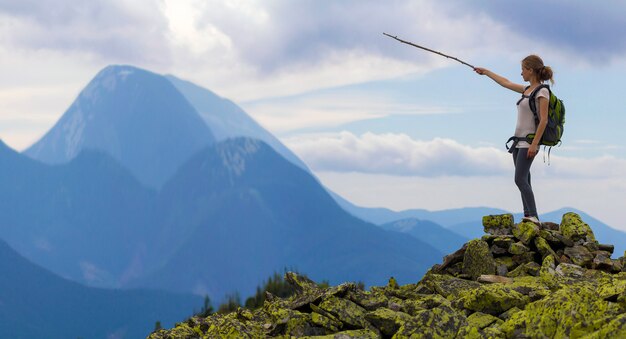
[[150, 181], [35, 303]]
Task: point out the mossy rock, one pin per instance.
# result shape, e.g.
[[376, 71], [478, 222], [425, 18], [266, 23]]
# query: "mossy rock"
[[493, 299], [498, 224], [544, 248], [481, 320], [368, 300], [441, 322], [573, 228], [579, 255], [387, 321], [609, 327], [518, 248], [558, 313], [345, 311], [351, 334], [525, 232], [478, 259], [447, 286]]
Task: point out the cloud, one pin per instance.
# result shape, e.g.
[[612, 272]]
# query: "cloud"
[[400, 155], [581, 28], [397, 154], [330, 109], [110, 30]]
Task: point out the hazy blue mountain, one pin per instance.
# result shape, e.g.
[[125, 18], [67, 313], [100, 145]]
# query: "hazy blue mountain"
[[238, 211], [89, 220], [136, 116], [444, 218], [227, 120], [429, 232], [35, 303]]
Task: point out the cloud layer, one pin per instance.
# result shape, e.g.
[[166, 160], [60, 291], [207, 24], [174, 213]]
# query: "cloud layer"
[[399, 154]]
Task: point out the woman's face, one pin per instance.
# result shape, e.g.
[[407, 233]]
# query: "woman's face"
[[526, 73]]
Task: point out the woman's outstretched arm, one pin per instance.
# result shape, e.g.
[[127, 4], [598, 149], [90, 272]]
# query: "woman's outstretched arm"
[[502, 81]]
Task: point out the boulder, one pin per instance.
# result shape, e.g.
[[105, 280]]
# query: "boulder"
[[478, 259], [572, 227], [498, 224]]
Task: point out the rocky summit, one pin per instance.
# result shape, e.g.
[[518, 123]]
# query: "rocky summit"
[[518, 281]]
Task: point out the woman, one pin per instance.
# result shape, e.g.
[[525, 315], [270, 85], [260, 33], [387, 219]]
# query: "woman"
[[534, 72]]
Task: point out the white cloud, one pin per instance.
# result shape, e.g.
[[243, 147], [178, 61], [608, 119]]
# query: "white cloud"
[[399, 154], [331, 109]]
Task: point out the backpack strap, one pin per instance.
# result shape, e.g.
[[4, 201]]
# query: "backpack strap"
[[516, 141], [533, 104]]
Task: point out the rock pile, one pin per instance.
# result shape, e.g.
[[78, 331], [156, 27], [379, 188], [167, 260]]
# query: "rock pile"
[[519, 280]]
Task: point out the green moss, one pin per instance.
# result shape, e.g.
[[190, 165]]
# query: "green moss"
[[525, 232], [498, 224], [441, 322], [609, 328], [481, 320], [493, 299], [478, 259], [572, 227], [332, 325], [345, 311], [356, 334], [557, 314], [387, 321], [544, 248], [426, 302], [447, 286], [518, 248]]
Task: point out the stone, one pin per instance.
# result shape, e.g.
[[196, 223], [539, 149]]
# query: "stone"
[[330, 324], [351, 334], [478, 259], [447, 286], [441, 322], [498, 224], [602, 261], [368, 300], [544, 248], [550, 226], [579, 255], [345, 311], [525, 232], [481, 320], [494, 279], [518, 248], [556, 315], [570, 270], [606, 247], [573, 228], [493, 299], [387, 321]]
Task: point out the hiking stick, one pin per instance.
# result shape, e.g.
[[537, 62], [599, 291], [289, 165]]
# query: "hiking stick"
[[428, 49]]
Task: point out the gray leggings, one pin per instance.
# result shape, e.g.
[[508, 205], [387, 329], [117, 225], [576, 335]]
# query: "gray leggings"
[[522, 180]]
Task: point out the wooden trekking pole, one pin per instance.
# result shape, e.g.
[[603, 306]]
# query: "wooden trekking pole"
[[428, 49]]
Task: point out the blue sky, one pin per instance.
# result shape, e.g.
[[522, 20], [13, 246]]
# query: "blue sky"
[[379, 122]]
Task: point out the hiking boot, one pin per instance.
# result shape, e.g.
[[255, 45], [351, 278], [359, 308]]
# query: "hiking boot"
[[534, 220]]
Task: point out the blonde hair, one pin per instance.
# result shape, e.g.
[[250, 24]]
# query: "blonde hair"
[[535, 63]]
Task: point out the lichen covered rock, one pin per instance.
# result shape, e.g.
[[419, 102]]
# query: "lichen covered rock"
[[538, 281], [478, 259]]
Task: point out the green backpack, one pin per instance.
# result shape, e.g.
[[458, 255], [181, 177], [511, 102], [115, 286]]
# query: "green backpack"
[[554, 128], [556, 118]]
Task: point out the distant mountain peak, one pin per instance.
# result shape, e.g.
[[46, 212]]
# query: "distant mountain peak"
[[136, 116]]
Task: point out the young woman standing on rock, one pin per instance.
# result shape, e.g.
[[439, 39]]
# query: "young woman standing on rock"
[[523, 149]]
